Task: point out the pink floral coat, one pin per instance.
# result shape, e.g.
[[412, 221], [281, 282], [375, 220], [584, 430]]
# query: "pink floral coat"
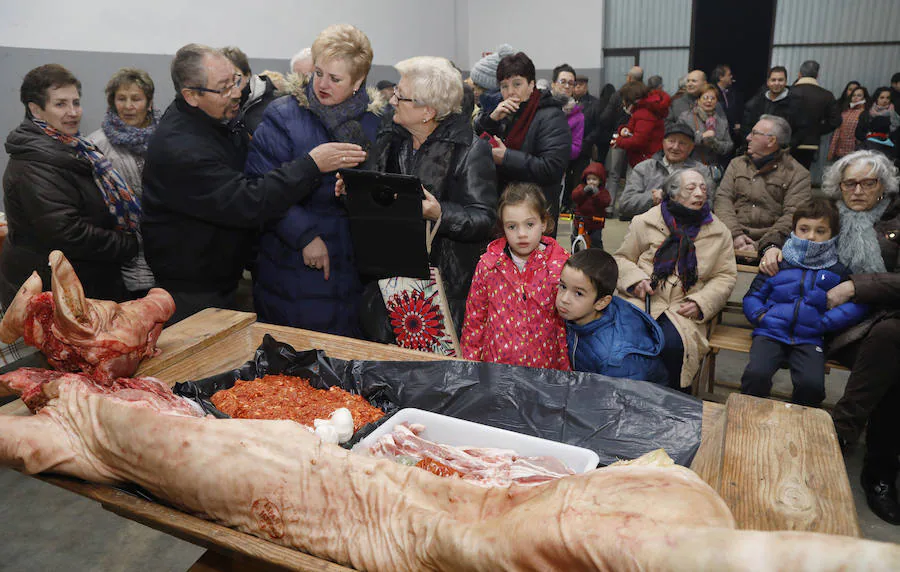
[[511, 315]]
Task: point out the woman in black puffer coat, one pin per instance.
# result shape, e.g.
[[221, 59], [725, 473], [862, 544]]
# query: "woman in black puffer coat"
[[531, 137], [430, 139], [52, 199]]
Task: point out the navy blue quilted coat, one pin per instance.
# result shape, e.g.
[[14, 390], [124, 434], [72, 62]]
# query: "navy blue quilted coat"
[[286, 291], [790, 307], [623, 342]]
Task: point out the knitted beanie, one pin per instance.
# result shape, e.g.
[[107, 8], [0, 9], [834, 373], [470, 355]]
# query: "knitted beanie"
[[484, 72]]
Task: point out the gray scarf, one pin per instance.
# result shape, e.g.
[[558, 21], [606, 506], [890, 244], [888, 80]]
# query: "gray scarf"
[[858, 247]]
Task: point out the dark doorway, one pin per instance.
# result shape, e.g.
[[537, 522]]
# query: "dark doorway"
[[737, 33]]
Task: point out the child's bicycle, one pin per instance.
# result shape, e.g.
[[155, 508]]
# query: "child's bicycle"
[[581, 239]]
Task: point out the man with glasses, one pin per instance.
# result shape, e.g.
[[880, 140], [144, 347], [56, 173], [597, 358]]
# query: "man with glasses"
[[760, 191], [200, 212], [563, 87]]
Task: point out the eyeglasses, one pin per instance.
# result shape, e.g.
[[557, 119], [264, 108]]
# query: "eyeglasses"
[[709, 98], [569, 82], [866, 184], [238, 80], [401, 98], [754, 132]]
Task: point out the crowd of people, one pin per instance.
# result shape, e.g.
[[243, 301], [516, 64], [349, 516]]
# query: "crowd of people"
[[241, 173]]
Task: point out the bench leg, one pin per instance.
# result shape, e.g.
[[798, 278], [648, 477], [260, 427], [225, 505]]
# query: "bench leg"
[[711, 372]]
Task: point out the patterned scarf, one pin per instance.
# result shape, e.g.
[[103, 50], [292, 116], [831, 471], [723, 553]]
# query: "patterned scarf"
[[858, 247], [808, 254], [135, 139], [677, 250], [119, 199], [342, 120]]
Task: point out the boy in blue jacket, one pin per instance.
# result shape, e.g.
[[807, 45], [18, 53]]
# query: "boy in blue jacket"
[[606, 334], [790, 309]]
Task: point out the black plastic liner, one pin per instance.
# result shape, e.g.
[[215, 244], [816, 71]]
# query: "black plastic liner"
[[617, 418]]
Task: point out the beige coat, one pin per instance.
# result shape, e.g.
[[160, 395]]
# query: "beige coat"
[[761, 202], [716, 271]]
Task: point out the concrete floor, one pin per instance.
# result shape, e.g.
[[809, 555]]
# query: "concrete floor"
[[47, 529]]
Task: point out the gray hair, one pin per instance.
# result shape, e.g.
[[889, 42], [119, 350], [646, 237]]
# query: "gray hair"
[[809, 68], [301, 55], [781, 128], [879, 166], [655, 82], [188, 66], [672, 184], [636, 73], [435, 82]]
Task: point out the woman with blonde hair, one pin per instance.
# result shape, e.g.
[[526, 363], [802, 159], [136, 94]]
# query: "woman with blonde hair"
[[306, 275]]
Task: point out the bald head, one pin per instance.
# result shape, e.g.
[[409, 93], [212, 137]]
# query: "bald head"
[[694, 82], [635, 74]]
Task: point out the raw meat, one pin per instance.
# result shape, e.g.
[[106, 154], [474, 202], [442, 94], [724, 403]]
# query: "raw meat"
[[104, 339], [278, 481], [293, 398], [481, 466]]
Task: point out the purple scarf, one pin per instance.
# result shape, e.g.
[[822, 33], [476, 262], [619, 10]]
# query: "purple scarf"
[[135, 139], [677, 251]]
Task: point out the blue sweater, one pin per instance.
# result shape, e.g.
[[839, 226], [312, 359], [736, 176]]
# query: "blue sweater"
[[622, 342], [286, 291], [793, 305]]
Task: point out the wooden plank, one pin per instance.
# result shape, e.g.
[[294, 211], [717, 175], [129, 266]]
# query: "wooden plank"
[[782, 468], [232, 351], [199, 331], [212, 561], [708, 461]]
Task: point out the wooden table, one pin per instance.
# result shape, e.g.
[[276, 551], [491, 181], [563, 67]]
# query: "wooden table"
[[778, 466]]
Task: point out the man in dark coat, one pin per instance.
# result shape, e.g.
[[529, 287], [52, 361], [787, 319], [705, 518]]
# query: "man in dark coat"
[[731, 101], [821, 112], [201, 212], [776, 100]]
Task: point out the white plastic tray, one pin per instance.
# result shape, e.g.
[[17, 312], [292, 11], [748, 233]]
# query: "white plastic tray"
[[458, 432]]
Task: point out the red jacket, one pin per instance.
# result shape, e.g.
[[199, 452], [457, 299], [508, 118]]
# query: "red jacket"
[[590, 206], [510, 315], [647, 127]]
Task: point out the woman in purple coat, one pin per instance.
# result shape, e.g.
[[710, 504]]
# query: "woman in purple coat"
[[306, 275]]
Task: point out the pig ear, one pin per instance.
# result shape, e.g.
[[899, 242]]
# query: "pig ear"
[[13, 323], [71, 312]]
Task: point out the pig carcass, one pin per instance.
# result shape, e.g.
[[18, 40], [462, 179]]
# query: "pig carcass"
[[104, 339], [278, 481]]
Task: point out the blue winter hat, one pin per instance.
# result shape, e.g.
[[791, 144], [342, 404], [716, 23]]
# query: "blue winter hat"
[[484, 71]]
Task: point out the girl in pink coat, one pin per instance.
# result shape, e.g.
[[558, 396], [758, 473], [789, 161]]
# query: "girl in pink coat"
[[510, 312]]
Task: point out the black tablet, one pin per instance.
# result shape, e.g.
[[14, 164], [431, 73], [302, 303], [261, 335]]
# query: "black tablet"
[[386, 223]]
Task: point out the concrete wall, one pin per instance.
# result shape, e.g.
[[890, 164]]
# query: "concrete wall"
[[94, 40]]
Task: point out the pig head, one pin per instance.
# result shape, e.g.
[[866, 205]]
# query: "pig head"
[[104, 339]]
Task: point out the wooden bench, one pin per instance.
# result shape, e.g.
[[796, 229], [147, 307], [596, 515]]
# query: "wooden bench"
[[737, 339]]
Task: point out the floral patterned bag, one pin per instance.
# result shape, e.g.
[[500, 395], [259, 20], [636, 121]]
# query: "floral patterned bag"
[[418, 310]]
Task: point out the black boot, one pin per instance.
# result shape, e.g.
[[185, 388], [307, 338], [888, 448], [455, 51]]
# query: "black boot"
[[881, 493]]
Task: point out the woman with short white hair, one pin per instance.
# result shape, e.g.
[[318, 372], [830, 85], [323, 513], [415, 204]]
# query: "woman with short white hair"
[[431, 139], [865, 184]]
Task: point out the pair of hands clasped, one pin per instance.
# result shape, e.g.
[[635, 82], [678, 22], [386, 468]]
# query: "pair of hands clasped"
[[329, 157], [838, 295], [688, 308]]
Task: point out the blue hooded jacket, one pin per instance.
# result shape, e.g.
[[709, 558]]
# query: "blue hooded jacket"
[[622, 342], [793, 305]]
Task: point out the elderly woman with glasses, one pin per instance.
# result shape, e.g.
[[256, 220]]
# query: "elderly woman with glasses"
[[306, 275], [123, 137], [433, 140], [677, 260], [61, 193], [865, 184], [712, 137]]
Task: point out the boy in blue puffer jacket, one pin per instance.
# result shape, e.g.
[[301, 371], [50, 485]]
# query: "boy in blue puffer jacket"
[[605, 334], [790, 309]]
